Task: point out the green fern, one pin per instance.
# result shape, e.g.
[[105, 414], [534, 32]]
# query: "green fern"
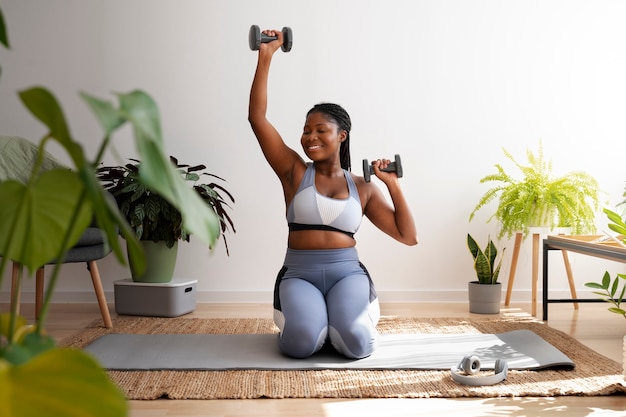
[[539, 198]]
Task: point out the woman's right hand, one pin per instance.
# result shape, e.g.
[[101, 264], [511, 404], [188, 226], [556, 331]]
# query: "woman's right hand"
[[274, 45]]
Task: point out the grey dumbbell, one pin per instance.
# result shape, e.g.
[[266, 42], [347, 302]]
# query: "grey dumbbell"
[[396, 166], [256, 38]]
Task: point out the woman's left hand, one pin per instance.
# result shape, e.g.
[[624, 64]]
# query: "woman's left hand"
[[384, 176]]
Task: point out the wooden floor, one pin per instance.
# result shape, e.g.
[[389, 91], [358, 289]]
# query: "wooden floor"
[[591, 324]]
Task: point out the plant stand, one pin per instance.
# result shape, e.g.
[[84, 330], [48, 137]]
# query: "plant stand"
[[535, 271]]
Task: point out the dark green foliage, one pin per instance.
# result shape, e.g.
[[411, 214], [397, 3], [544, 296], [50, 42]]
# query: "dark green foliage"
[[151, 216], [610, 291]]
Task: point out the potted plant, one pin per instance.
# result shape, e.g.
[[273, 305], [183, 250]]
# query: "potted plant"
[[485, 293], [29, 235], [540, 199], [155, 221], [606, 288], [26, 236]]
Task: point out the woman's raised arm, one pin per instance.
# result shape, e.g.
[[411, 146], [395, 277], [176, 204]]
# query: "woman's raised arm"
[[280, 157]]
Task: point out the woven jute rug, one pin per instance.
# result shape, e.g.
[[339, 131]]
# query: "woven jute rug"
[[593, 375]]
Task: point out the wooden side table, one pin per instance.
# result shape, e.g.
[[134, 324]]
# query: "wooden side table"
[[519, 237]]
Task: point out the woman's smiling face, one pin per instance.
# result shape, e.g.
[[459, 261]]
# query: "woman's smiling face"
[[321, 137]]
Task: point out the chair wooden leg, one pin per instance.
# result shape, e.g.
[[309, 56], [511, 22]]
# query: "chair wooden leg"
[[516, 249], [97, 286], [39, 284], [15, 289]]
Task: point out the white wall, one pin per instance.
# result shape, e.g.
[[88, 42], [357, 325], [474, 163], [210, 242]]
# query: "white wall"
[[444, 83]]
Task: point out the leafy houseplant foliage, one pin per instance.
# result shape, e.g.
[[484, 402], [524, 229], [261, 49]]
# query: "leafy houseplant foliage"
[[540, 199], [610, 290], [151, 216], [616, 222], [487, 270], [30, 363]]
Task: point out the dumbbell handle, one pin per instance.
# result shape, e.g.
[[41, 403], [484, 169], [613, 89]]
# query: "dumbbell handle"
[[267, 38], [368, 169]]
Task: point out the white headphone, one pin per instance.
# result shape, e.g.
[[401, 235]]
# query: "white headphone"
[[464, 372]]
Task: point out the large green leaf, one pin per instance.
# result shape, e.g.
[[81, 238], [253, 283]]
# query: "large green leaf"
[[4, 39], [110, 219], [161, 176], [34, 219], [483, 269], [31, 345], [108, 116], [142, 111], [617, 223], [46, 108], [59, 383], [5, 326], [157, 171], [472, 246]]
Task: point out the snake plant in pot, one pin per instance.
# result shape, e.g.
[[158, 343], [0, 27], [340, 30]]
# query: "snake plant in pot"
[[485, 292]]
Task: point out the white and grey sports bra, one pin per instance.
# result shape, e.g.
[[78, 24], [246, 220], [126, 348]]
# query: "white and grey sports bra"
[[310, 210]]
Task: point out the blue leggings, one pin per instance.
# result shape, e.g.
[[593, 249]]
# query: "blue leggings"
[[325, 294]]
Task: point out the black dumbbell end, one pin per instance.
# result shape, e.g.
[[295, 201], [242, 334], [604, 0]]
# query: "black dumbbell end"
[[399, 171], [287, 39], [367, 170], [396, 166], [254, 38]]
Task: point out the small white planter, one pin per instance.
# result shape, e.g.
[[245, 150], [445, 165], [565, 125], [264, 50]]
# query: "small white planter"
[[484, 298]]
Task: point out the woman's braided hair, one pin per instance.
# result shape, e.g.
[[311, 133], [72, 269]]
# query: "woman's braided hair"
[[338, 115]]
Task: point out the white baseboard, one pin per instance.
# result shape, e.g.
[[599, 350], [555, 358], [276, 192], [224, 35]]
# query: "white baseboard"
[[436, 296]]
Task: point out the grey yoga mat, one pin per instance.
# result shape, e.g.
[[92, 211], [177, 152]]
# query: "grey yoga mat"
[[522, 349]]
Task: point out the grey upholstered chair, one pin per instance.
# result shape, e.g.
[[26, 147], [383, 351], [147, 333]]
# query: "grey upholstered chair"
[[16, 159]]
